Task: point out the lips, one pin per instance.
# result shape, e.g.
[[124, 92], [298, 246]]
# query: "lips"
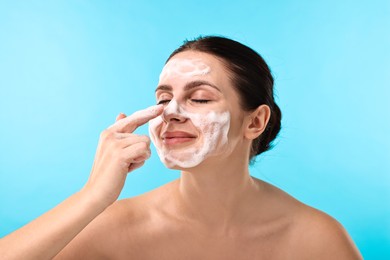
[[177, 137]]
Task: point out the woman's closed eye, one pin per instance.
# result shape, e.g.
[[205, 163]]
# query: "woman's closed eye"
[[200, 100], [163, 101]]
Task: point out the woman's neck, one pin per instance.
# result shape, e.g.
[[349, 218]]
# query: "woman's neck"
[[218, 196]]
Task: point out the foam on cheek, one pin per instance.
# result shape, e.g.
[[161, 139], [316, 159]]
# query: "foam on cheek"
[[184, 68], [213, 128], [154, 124]]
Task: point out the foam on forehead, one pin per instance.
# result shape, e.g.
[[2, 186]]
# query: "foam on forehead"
[[184, 68]]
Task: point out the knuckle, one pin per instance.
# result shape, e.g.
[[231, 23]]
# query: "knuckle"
[[144, 146], [138, 150], [106, 134], [146, 139], [133, 136]]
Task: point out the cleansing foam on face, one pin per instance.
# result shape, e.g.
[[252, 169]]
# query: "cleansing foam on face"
[[184, 68], [212, 129]]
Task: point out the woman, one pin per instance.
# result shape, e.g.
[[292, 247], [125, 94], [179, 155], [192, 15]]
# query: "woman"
[[215, 112]]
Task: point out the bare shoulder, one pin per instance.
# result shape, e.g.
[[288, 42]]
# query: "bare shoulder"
[[323, 237], [119, 231], [312, 234]]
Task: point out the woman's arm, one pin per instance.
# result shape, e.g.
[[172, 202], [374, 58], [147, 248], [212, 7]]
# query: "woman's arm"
[[119, 152], [47, 235]]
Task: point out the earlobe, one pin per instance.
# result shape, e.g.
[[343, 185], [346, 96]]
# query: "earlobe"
[[257, 122]]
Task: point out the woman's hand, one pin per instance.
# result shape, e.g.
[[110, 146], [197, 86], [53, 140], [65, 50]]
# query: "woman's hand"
[[119, 152]]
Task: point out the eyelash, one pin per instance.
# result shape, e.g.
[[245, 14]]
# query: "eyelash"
[[163, 102], [201, 101]]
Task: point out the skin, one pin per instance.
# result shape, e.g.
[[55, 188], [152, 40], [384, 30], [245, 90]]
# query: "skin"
[[215, 210]]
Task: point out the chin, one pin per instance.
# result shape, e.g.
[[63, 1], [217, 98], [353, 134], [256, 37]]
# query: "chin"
[[182, 166], [188, 165]]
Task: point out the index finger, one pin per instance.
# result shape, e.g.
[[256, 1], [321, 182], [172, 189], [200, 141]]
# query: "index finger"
[[132, 122]]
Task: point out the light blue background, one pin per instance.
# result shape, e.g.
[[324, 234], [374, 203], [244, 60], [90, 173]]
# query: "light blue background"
[[67, 68]]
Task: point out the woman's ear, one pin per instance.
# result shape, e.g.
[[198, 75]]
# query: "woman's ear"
[[257, 122]]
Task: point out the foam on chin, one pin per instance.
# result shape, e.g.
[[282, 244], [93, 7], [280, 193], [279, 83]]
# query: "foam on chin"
[[213, 128]]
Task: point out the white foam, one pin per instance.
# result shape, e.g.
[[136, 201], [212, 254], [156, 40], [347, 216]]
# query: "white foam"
[[213, 128], [177, 67]]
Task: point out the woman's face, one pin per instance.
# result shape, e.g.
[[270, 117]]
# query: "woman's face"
[[200, 107]]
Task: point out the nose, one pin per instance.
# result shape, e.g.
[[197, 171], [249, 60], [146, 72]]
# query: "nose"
[[173, 113], [167, 118]]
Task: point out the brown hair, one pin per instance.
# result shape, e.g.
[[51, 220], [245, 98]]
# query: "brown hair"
[[251, 77]]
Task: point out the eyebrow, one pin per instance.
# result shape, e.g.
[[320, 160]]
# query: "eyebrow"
[[189, 86]]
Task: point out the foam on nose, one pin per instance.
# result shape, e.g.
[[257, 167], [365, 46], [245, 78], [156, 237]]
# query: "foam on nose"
[[172, 108]]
